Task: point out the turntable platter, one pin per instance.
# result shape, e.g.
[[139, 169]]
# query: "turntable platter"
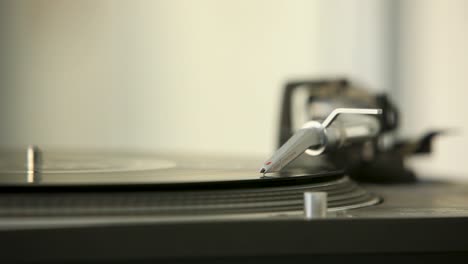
[[102, 183]]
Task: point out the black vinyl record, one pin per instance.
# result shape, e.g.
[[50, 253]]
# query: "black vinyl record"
[[92, 168]]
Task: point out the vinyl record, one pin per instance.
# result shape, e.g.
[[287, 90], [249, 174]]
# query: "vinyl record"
[[49, 168]]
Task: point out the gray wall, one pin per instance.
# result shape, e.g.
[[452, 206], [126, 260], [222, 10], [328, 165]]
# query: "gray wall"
[[198, 75]]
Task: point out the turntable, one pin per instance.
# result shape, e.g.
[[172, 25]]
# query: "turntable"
[[332, 192]]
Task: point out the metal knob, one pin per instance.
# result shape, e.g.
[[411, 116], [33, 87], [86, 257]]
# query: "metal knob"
[[315, 205], [33, 164]]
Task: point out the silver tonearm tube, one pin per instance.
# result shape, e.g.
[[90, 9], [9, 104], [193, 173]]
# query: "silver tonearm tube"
[[316, 137]]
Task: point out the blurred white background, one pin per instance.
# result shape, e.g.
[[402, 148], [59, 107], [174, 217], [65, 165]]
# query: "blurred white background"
[[206, 75]]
